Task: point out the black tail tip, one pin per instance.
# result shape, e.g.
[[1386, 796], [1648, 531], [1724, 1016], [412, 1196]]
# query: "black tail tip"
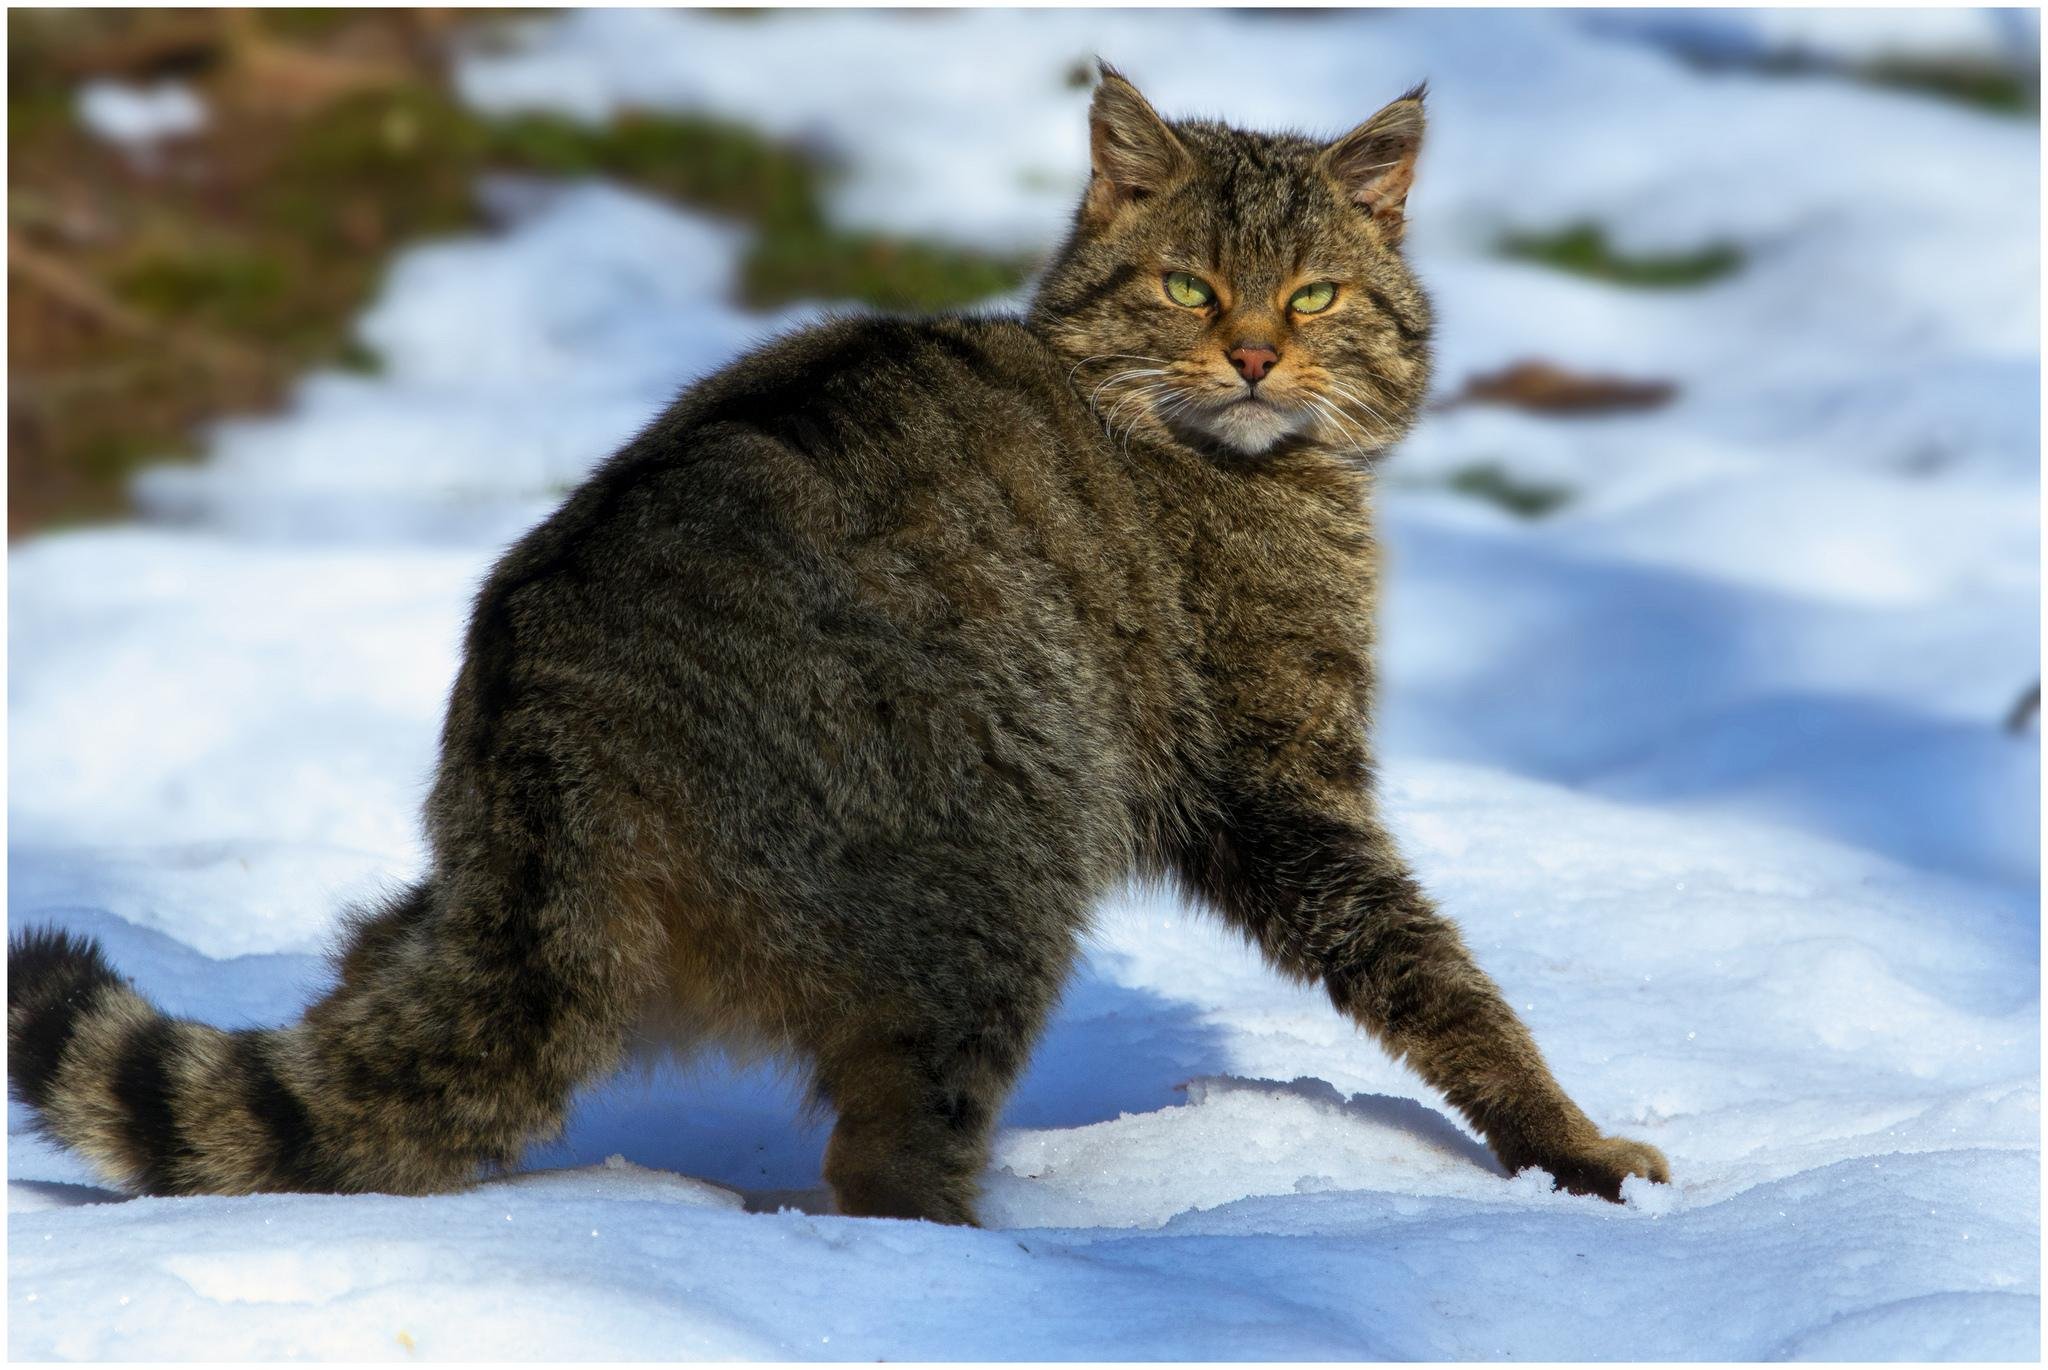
[[52, 977], [42, 958]]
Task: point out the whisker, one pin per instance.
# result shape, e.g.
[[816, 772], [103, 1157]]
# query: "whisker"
[[1113, 356], [1139, 393], [1181, 403], [1358, 400], [1131, 428], [1122, 375], [1147, 395], [1343, 427], [1366, 433], [1362, 442], [1351, 394]]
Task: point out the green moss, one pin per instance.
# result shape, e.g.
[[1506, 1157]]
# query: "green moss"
[[788, 263], [109, 459], [371, 133], [302, 22], [547, 143], [728, 169], [707, 163], [358, 357], [2000, 90], [39, 99], [385, 167], [376, 168], [1490, 481], [1583, 250], [230, 288], [257, 274], [34, 111], [1995, 87]]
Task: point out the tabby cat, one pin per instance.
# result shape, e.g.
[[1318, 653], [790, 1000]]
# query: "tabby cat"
[[822, 715]]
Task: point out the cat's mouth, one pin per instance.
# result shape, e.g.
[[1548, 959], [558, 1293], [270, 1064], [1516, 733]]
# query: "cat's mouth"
[[1249, 421]]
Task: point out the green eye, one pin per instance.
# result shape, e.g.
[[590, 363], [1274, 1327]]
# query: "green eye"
[[1313, 299], [1184, 289]]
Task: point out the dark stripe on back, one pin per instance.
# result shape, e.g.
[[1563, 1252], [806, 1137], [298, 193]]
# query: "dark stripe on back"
[[1409, 332], [142, 1086], [964, 351], [1093, 294], [958, 343], [296, 1162], [57, 981]]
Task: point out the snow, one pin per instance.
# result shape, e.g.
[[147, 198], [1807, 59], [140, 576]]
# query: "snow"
[[1708, 763], [138, 117]]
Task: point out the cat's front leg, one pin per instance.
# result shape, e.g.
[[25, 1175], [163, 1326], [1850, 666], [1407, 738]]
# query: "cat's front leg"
[[1309, 872]]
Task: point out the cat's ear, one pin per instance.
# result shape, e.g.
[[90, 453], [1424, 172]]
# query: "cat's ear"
[[1374, 164], [1134, 153]]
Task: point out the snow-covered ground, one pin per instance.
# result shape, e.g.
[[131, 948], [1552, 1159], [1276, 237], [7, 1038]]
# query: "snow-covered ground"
[[1709, 762]]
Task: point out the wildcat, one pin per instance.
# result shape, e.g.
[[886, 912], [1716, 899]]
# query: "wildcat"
[[822, 714]]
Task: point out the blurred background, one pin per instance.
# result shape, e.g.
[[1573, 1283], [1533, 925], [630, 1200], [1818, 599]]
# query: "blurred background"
[[1711, 630], [203, 202]]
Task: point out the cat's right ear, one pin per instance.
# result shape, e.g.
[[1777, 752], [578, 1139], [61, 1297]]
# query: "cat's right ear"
[[1134, 153]]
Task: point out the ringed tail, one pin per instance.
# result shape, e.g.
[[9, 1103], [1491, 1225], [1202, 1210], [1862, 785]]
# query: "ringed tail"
[[457, 1033]]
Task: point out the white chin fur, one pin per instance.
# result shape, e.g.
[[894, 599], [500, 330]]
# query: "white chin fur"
[[1252, 428]]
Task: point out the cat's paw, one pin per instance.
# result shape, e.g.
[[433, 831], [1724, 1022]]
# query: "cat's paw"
[[1599, 1167]]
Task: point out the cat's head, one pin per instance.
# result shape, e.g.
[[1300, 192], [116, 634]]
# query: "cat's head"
[[1242, 291]]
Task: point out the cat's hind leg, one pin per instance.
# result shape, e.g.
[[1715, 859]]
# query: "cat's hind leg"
[[918, 1076]]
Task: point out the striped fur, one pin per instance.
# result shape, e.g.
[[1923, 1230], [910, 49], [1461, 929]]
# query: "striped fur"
[[821, 715]]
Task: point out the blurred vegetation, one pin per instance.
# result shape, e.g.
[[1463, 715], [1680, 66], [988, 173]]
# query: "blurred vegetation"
[[729, 169], [1496, 485], [1996, 87], [2001, 90], [1583, 250], [152, 293]]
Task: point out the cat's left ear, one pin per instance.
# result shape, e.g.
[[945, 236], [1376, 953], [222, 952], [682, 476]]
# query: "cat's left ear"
[[1374, 164]]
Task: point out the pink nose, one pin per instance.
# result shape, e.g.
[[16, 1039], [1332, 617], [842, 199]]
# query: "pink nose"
[[1253, 360]]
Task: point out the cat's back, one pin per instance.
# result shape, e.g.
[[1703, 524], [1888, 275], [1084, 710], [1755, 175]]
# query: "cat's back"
[[843, 434], [872, 543], [869, 397], [956, 371]]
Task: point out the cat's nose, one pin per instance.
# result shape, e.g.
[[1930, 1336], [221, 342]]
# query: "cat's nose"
[[1254, 359]]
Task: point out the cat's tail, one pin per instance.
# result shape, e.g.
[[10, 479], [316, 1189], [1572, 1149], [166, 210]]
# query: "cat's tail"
[[459, 1029]]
